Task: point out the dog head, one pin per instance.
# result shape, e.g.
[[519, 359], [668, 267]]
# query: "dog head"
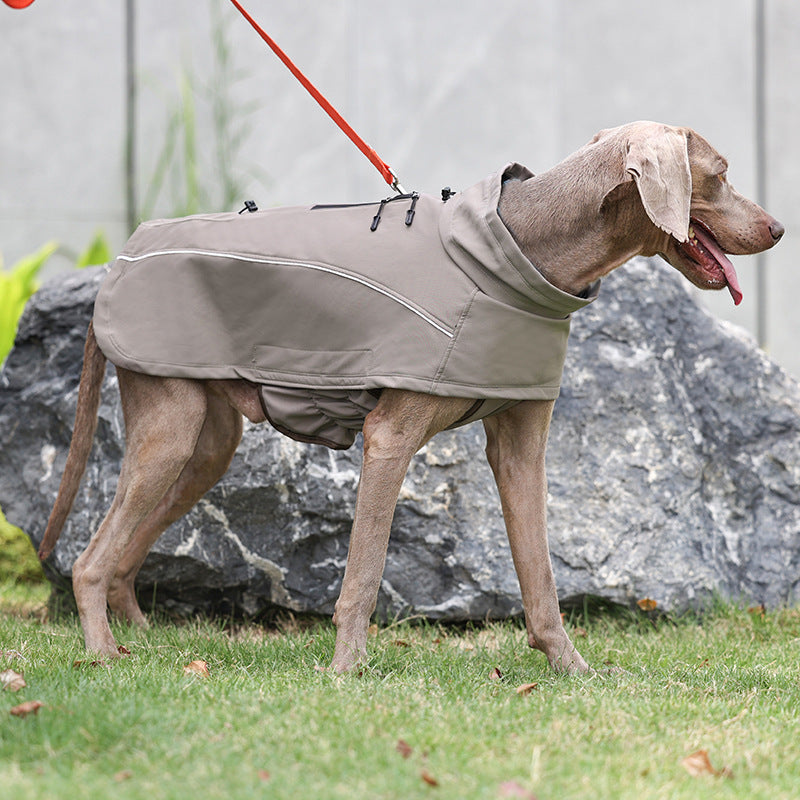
[[682, 184]]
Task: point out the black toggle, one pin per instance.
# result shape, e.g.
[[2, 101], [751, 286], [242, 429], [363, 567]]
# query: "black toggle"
[[447, 193], [249, 205], [410, 213], [376, 220]]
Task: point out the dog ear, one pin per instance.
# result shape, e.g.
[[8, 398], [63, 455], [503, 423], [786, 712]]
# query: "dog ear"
[[658, 161]]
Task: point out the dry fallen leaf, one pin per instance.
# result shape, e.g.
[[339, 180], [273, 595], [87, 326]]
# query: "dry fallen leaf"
[[647, 604], [197, 667], [757, 611], [263, 775], [123, 775], [30, 707], [78, 664], [514, 789], [495, 674], [526, 689], [428, 778], [123, 651], [404, 748], [698, 763], [12, 681]]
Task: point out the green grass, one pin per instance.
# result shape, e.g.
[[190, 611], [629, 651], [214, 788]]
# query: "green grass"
[[269, 722]]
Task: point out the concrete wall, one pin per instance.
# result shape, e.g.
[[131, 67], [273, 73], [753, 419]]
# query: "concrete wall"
[[446, 92]]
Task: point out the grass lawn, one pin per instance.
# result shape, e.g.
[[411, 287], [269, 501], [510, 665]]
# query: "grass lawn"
[[437, 713]]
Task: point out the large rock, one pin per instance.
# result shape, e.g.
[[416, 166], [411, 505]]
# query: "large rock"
[[674, 467]]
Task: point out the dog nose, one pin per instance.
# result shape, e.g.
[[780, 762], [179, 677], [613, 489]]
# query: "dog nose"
[[776, 229]]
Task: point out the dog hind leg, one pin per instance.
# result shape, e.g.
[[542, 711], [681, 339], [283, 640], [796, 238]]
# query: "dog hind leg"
[[163, 419], [218, 440]]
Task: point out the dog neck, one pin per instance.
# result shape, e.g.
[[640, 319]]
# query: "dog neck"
[[575, 222]]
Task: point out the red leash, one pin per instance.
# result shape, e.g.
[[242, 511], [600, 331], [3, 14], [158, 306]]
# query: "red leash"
[[380, 165]]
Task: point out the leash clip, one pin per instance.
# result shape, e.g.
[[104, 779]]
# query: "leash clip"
[[396, 183]]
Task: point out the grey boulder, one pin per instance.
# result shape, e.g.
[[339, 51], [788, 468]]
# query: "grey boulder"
[[674, 469]]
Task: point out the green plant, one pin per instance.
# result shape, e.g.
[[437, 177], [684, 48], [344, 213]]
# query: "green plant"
[[21, 281], [16, 286], [176, 164], [230, 117], [18, 562], [97, 251], [218, 185]]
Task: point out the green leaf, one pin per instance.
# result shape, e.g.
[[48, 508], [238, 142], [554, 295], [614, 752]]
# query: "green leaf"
[[98, 252], [16, 286]]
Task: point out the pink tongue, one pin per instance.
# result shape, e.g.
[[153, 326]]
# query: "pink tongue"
[[730, 276], [730, 273]]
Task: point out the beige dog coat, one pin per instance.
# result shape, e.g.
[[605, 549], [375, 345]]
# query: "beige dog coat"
[[324, 306]]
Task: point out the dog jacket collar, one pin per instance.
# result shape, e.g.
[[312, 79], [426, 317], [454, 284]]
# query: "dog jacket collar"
[[311, 298]]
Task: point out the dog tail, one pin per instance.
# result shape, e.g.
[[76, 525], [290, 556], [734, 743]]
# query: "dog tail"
[[94, 364]]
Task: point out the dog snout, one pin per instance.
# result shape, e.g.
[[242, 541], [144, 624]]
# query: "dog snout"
[[776, 229]]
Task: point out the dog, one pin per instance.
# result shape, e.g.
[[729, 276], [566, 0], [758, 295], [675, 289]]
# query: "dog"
[[640, 189]]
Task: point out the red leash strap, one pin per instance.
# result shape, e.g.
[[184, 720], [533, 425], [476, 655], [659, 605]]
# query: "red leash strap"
[[376, 160]]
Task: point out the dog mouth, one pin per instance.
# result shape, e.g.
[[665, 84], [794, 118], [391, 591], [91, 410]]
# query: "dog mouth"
[[714, 267]]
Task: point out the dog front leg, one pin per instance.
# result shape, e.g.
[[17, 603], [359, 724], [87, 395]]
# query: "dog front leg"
[[387, 454], [516, 441], [397, 427]]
